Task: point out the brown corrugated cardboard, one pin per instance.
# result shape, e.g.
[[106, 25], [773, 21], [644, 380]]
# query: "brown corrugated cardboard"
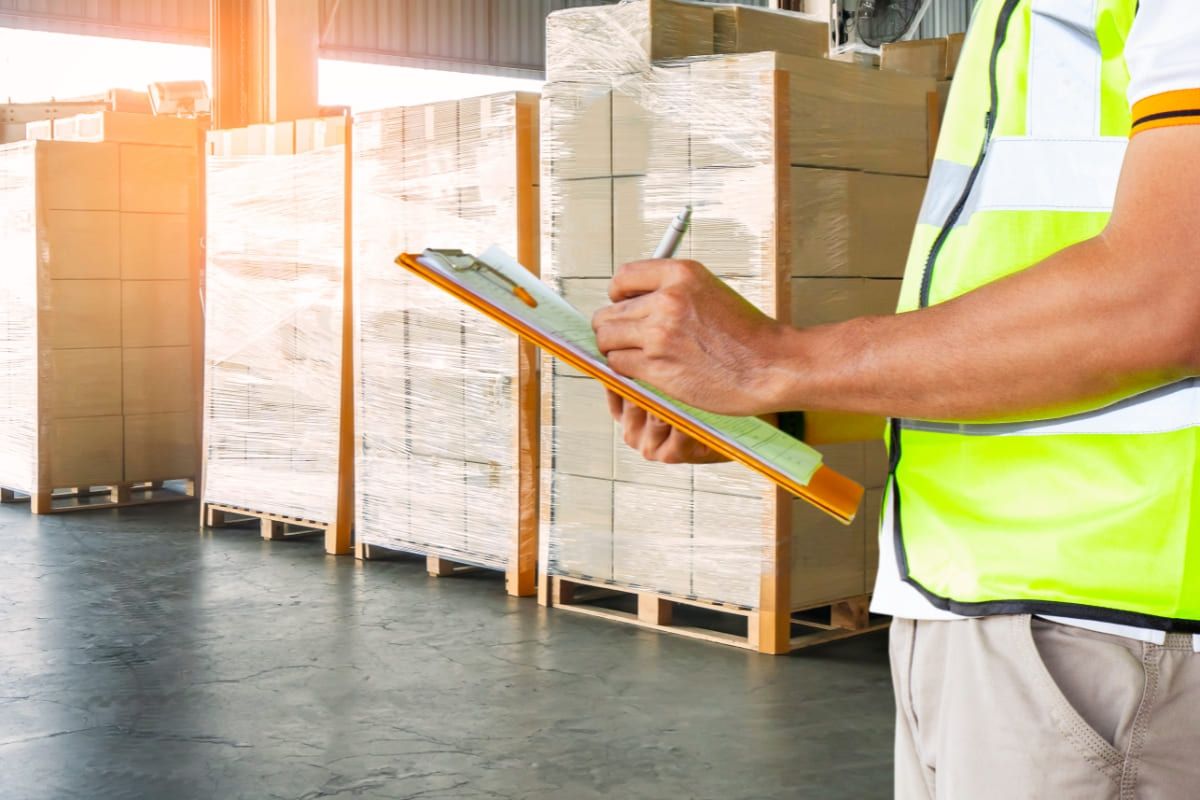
[[583, 514], [583, 430], [84, 313], [581, 213], [852, 224], [159, 179], [84, 383], [743, 29], [725, 525], [827, 557], [158, 446], [155, 246], [926, 57], [661, 562], [155, 313], [82, 244], [157, 379], [80, 175], [624, 38], [86, 451]]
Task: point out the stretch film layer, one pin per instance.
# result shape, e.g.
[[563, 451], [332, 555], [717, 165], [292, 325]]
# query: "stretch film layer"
[[438, 417], [275, 265], [775, 155]]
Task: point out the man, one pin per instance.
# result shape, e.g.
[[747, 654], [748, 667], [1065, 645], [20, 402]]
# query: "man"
[[1040, 543]]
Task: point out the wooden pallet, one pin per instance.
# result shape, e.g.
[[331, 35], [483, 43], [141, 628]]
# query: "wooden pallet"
[[92, 498], [668, 613], [272, 527], [440, 567]]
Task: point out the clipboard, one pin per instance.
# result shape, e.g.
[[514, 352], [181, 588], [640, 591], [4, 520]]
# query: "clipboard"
[[498, 286]]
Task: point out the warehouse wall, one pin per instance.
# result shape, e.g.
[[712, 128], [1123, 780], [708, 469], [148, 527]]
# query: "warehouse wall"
[[503, 37], [945, 17]]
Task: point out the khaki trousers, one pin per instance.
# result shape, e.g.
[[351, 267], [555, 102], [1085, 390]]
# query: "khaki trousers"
[[1012, 707]]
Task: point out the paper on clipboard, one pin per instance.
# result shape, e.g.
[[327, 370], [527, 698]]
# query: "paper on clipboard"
[[557, 326]]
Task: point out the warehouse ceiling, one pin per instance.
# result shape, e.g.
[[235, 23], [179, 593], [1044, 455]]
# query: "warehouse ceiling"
[[500, 37]]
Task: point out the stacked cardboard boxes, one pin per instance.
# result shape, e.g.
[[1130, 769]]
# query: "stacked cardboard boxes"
[[446, 400], [100, 336], [805, 176], [278, 433]]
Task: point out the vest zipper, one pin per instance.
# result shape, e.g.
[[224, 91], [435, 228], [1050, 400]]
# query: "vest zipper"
[[989, 124]]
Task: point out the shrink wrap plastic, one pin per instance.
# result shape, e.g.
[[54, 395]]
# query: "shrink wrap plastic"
[[627, 143], [18, 320], [437, 411], [273, 330]]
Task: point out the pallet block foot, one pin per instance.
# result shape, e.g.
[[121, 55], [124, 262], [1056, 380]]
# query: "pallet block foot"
[[271, 529], [439, 567], [41, 503], [9, 496]]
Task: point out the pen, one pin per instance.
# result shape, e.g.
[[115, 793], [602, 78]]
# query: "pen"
[[674, 235]]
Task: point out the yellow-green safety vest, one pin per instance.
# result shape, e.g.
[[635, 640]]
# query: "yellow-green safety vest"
[[1095, 515]]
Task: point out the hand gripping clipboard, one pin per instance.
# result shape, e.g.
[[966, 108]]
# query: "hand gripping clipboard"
[[497, 285]]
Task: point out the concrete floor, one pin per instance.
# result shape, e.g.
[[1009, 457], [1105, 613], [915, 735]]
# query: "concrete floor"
[[140, 659]]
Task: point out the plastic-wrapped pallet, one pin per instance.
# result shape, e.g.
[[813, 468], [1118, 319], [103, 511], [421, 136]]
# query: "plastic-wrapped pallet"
[[780, 158], [276, 407], [98, 324], [446, 400]]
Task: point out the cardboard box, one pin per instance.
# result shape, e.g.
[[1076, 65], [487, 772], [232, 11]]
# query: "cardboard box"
[[82, 313], [926, 57], [577, 127], [82, 244], [852, 224], [87, 451], [580, 213], [79, 176], [954, 48], [157, 380], [625, 38], [156, 313], [727, 545], [828, 558], [155, 246], [581, 541], [820, 301], [133, 128], [85, 382], [583, 432], [157, 179], [743, 29], [654, 555], [159, 446]]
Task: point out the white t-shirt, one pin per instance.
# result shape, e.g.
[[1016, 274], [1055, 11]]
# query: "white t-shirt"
[[1163, 55]]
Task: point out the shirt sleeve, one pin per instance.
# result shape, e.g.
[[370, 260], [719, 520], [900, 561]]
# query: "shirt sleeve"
[[1163, 55]]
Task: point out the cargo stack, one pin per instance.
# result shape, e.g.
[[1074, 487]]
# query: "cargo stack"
[[805, 176], [99, 344], [446, 399], [278, 420]]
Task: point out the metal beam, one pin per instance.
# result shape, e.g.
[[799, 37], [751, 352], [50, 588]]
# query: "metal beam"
[[264, 57]]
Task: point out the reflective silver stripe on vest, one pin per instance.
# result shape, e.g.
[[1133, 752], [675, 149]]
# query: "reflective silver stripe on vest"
[[1064, 70], [1062, 164], [1031, 175], [1169, 408]]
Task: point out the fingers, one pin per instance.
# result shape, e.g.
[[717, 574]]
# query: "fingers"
[[620, 335], [642, 277], [630, 363], [655, 434], [616, 404]]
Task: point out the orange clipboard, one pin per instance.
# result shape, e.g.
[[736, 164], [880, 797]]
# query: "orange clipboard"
[[826, 489]]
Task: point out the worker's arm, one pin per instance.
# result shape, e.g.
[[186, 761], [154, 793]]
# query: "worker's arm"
[[1115, 313]]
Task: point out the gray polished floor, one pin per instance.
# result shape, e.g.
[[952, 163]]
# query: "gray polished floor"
[[140, 659]]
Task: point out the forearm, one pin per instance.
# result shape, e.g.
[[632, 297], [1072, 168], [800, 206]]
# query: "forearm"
[[1085, 325]]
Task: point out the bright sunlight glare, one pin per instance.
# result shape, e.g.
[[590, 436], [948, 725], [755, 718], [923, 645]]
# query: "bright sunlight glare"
[[36, 66]]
